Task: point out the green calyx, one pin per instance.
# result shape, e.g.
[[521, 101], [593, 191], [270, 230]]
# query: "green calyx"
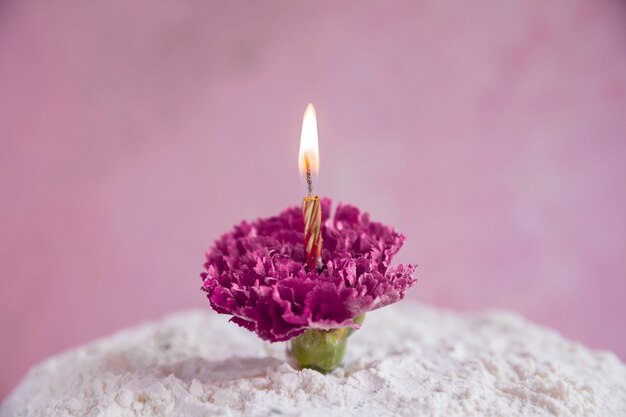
[[321, 350]]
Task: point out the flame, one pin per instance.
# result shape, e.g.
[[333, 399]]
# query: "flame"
[[308, 142]]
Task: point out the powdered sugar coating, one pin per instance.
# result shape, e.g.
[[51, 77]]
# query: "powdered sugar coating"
[[407, 360], [256, 273]]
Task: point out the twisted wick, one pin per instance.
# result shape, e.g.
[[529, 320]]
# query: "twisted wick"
[[309, 183]]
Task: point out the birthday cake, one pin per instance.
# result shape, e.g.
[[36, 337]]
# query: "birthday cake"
[[407, 360]]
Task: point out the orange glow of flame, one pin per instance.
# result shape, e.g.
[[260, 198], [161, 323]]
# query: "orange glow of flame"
[[308, 142]]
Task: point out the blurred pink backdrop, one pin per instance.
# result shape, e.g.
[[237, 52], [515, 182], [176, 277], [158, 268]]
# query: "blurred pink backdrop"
[[132, 134]]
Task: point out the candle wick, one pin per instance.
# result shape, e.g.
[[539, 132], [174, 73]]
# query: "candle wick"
[[309, 183]]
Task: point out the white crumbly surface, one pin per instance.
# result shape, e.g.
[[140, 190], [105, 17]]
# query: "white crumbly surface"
[[405, 361]]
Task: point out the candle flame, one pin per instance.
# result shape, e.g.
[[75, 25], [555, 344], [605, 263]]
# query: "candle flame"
[[309, 147]]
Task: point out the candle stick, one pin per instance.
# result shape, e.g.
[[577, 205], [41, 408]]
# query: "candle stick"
[[311, 207], [312, 214]]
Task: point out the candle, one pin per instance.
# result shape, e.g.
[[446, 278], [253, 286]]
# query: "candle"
[[308, 163]]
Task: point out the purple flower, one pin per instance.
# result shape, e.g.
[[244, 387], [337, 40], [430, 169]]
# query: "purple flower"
[[256, 273]]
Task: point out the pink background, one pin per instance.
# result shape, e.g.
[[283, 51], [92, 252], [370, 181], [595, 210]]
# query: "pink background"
[[493, 134]]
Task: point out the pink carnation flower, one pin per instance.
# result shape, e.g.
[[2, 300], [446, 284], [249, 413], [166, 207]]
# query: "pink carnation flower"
[[256, 273]]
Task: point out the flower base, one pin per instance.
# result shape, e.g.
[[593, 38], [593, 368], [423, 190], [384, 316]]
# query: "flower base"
[[321, 350]]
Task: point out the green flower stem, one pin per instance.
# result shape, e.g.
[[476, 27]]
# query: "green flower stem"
[[321, 350]]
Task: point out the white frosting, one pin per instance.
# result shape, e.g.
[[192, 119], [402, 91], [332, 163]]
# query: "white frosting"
[[405, 361]]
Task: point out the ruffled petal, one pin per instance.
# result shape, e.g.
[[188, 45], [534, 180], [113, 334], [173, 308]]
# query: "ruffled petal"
[[255, 273]]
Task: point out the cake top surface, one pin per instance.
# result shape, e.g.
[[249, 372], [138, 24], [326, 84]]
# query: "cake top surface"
[[407, 360]]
